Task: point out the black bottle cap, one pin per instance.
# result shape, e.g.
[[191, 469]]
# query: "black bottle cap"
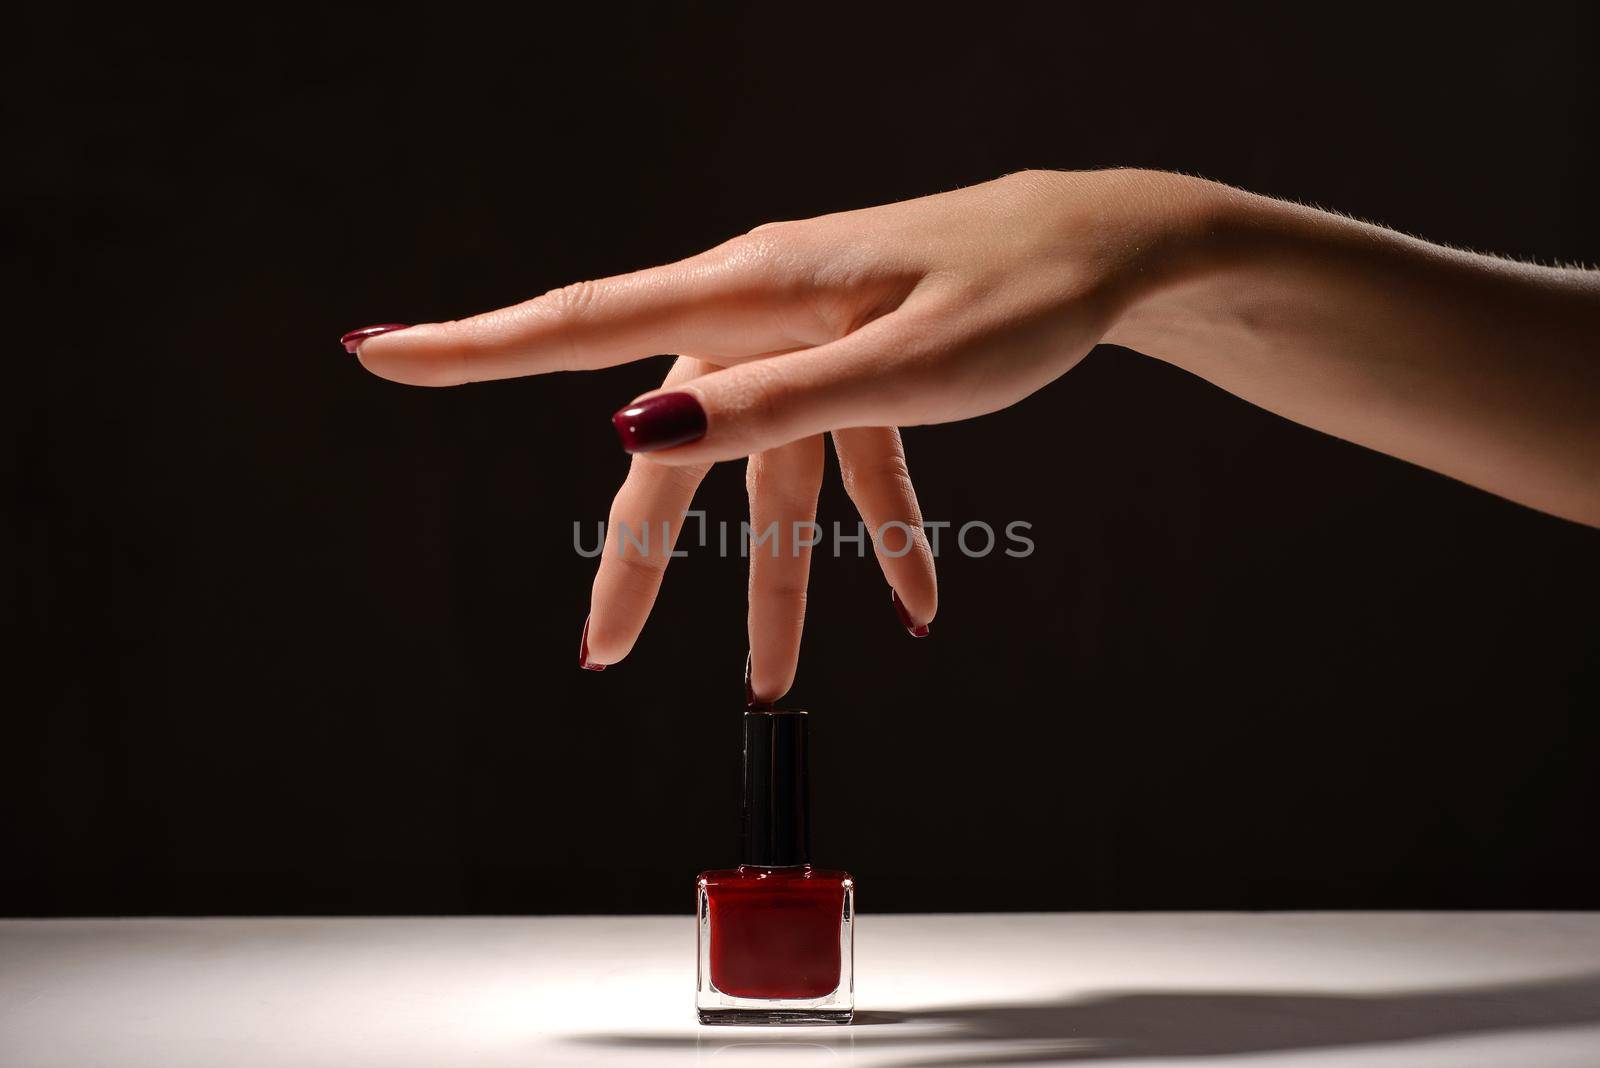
[[776, 817]]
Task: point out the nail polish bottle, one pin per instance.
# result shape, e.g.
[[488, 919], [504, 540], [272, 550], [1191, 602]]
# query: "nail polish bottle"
[[777, 936]]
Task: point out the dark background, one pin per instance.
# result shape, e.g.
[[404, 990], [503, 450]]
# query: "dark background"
[[294, 639]]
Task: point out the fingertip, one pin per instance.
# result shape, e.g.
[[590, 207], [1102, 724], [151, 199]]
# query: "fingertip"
[[604, 644], [913, 582], [414, 356], [758, 696], [916, 624], [763, 687]]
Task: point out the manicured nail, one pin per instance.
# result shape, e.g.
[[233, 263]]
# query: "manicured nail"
[[352, 341], [583, 650], [750, 701], [660, 422], [913, 628]]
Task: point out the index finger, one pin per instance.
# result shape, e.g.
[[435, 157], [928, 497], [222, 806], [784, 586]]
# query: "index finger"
[[646, 518], [727, 302]]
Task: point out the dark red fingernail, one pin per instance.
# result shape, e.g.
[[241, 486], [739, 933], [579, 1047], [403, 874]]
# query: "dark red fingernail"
[[583, 650], [660, 422], [749, 693], [352, 341], [913, 628]]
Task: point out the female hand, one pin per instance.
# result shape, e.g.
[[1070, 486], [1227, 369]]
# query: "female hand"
[[962, 303], [918, 312]]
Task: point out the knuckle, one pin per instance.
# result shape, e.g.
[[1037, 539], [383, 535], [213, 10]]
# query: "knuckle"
[[761, 250], [569, 302], [756, 476], [783, 599], [775, 491], [559, 312], [641, 571], [647, 566], [677, 480], [787, 503], [789, 593], [920, 545], [886, 471], [778, 256]]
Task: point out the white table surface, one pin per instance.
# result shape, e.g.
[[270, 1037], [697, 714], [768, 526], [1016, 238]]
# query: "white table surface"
[[1264, 990]]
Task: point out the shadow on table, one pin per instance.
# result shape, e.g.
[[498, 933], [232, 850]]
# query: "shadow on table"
[[1179, 1024]]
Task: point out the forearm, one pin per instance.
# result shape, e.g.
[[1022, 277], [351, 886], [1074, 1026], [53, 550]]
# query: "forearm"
[[1481, 369]]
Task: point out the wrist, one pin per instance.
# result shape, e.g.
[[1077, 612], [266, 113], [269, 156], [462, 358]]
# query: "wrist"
[[1185, 235]]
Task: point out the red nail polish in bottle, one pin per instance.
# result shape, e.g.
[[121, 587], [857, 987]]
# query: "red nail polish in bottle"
[[777, 936]]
